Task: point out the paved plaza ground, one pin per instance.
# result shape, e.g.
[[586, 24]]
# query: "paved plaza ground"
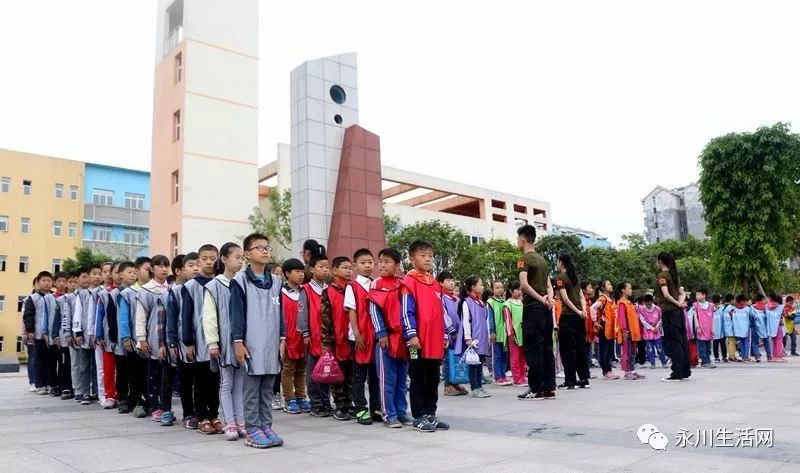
[[583, 431]]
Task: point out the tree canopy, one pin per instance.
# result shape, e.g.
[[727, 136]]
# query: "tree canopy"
[[84, 257], [749, 189], [277, 223]]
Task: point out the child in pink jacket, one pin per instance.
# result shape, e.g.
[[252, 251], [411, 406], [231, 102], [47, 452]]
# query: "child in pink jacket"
[[650, 317]]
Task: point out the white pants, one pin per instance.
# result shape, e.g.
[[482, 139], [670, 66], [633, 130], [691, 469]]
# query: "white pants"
[[98, 359], [231, 394]]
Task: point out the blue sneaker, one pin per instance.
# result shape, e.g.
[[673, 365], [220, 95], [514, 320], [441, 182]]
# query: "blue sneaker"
[[291, 407], [274, 439], [167, 419], [256, 438], [305, 406]]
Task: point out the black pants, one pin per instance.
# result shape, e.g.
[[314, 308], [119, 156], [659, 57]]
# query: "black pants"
[[207, 391], [605, 352], [720, 347], [641, 352], [676, 345], [153, 384], [168, 375], [365, 376], [137, 380], [65, 369], [424, 389], [189, 388], [343, 392], [572, 347], [537, 340], [318, 394], [45, 365], [121, 382]]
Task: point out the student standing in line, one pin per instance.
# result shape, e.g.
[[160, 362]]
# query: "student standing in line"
[[789, 315], [513, 315], [64, 284], [475, 332], [629, 332], [293, 372], [450, 305], [135, 374], [105, 337], [335, 331], [497, 333], [39, 308], [719, 330]]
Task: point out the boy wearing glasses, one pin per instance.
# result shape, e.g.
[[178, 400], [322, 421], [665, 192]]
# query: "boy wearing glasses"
[[259, 335]]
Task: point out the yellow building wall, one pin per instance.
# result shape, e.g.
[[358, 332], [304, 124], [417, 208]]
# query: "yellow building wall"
[[39, 245]]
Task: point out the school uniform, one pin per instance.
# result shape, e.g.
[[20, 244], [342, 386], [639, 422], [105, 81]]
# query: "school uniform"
[[84, 355], [474, 327], [789, 315], [450, 307], [39, 308], [719, 334], [335, 334], [174, 367], [650, 319], [96, 373], [628, 323], [293, 373], [206, 379], [150, 324], [106, 310], [309, 324], [217, 332], [392, 361], [61, 331], [741, 315], [423, 317], [356, 296], [703, 316], [775, 328], [759, 330], [604, 310], [256, 321], [497, 327], [727, 328], [512, 311], [131, 380]]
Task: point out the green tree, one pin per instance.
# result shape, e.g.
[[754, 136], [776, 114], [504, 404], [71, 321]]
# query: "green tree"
[[277, 224], [695, 273], [84, 257], [552, 246], [634, 241], [391, 223], [448, 241], [748, 186], [491, 260]]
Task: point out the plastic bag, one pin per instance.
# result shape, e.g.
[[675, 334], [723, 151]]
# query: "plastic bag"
[[471, 357], [327, 370], [458, 372]]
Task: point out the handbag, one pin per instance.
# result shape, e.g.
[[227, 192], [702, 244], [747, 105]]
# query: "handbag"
[[458, 371], [327, 370], [471, 357]]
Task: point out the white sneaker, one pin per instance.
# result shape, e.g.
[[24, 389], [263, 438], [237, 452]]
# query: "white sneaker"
[[480, 394], [560, 375], [32, 388], [42, 391], [277, 404]]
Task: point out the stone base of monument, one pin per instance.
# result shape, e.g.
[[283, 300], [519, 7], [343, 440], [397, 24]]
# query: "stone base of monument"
[[9, 364]]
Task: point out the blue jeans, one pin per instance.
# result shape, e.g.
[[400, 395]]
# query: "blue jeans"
[[744, 347], [704, 351], [754, 343], [476, 374], [500, 359], [606, 351], [31, 364], [652, 346]]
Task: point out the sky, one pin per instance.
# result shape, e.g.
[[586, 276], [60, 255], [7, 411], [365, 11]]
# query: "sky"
[[585, 104]]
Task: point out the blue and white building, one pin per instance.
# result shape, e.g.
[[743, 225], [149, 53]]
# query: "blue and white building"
[[116, 210], [588, 238]]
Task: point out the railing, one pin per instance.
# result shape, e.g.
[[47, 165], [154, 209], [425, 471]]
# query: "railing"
[[173, 38], [104, 214]]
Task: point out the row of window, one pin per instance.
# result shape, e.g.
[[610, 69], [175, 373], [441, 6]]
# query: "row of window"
[[25, 226], [27, 186], [133, 237], [24, 263], [106, 197]]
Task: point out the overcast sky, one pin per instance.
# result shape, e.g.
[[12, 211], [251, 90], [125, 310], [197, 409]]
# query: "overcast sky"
[[585, 104]]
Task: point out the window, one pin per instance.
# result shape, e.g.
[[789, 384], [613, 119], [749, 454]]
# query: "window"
[[134, 237], [178, 67], [134, 201], [102, 197], [474, 240], [520, 209], [23, 264], [26, 187], [59, 191], [2, 263], [5, 184], [2, 343], [2, 303], [173, 242], [20, 303], [499, 218], [498, 204], [57, 228], [73, 229], [56, 265], [19, 344], [176, 187], [73, 192], [3, 223], [25, 225], [176, 126], [101, 233]]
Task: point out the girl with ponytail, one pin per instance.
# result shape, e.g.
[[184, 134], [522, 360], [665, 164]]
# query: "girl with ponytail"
[[672, 302], [572, 325]]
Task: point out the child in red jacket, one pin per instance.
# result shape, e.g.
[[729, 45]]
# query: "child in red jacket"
[[293, 374]]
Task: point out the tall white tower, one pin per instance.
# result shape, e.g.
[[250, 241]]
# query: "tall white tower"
[[324, 103], [204, 174]]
